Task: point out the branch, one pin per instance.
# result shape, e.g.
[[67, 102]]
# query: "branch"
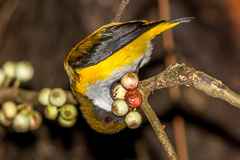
[[158, 128], [27, 96], [174, 76], [120, 11], [180, 74]]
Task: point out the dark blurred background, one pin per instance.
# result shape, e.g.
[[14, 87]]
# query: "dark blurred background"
[[43, 32]]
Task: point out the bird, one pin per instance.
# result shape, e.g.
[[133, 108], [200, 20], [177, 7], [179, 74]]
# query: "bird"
[[102, 58]]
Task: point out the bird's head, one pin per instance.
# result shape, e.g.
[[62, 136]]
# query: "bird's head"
[[100, 120]]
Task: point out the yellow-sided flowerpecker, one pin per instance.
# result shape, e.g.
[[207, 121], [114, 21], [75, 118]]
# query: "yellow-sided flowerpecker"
[[102, 58]]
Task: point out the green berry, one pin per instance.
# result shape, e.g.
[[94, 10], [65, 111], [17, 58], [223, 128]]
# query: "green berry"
[[43, 96], [24, 71], [133, 119], [58, 97], [51, 112], [9, 68], [66, 123], [118, 92], [69, 112], [120, 107], [21, 123]]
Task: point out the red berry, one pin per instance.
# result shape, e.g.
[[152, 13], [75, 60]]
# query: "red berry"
[[133, 98]]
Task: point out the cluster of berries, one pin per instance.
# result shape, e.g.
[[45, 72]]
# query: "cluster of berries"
[[21, 71], [54, 101], [21, 117], [126, 99]]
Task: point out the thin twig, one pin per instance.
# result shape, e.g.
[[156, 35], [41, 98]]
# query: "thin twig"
[[120, 10], [16, 83], [6, 82], [158, 128]]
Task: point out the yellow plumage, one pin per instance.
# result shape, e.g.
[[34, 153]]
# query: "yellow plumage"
[[121, 58]]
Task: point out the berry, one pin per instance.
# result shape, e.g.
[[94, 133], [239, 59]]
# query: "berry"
[[21, 123], [24, 71], [133, 98], [130, 80], [66, 123], [58, 97], [9, 109], [118, 92], [51, 112], [43, 96], [9, 68], [119, 107], [133, 119], [35, 120], [69, 112]]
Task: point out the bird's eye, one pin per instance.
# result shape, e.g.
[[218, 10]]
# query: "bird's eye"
[[108, 119]]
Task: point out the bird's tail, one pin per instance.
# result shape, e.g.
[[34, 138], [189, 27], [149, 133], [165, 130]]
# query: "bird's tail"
[[182, 20], [165, 25]]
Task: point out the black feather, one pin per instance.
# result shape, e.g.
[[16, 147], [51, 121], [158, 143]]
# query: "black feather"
[[113, 39]]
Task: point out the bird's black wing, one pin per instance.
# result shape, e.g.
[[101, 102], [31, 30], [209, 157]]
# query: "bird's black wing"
[[99, 46]]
